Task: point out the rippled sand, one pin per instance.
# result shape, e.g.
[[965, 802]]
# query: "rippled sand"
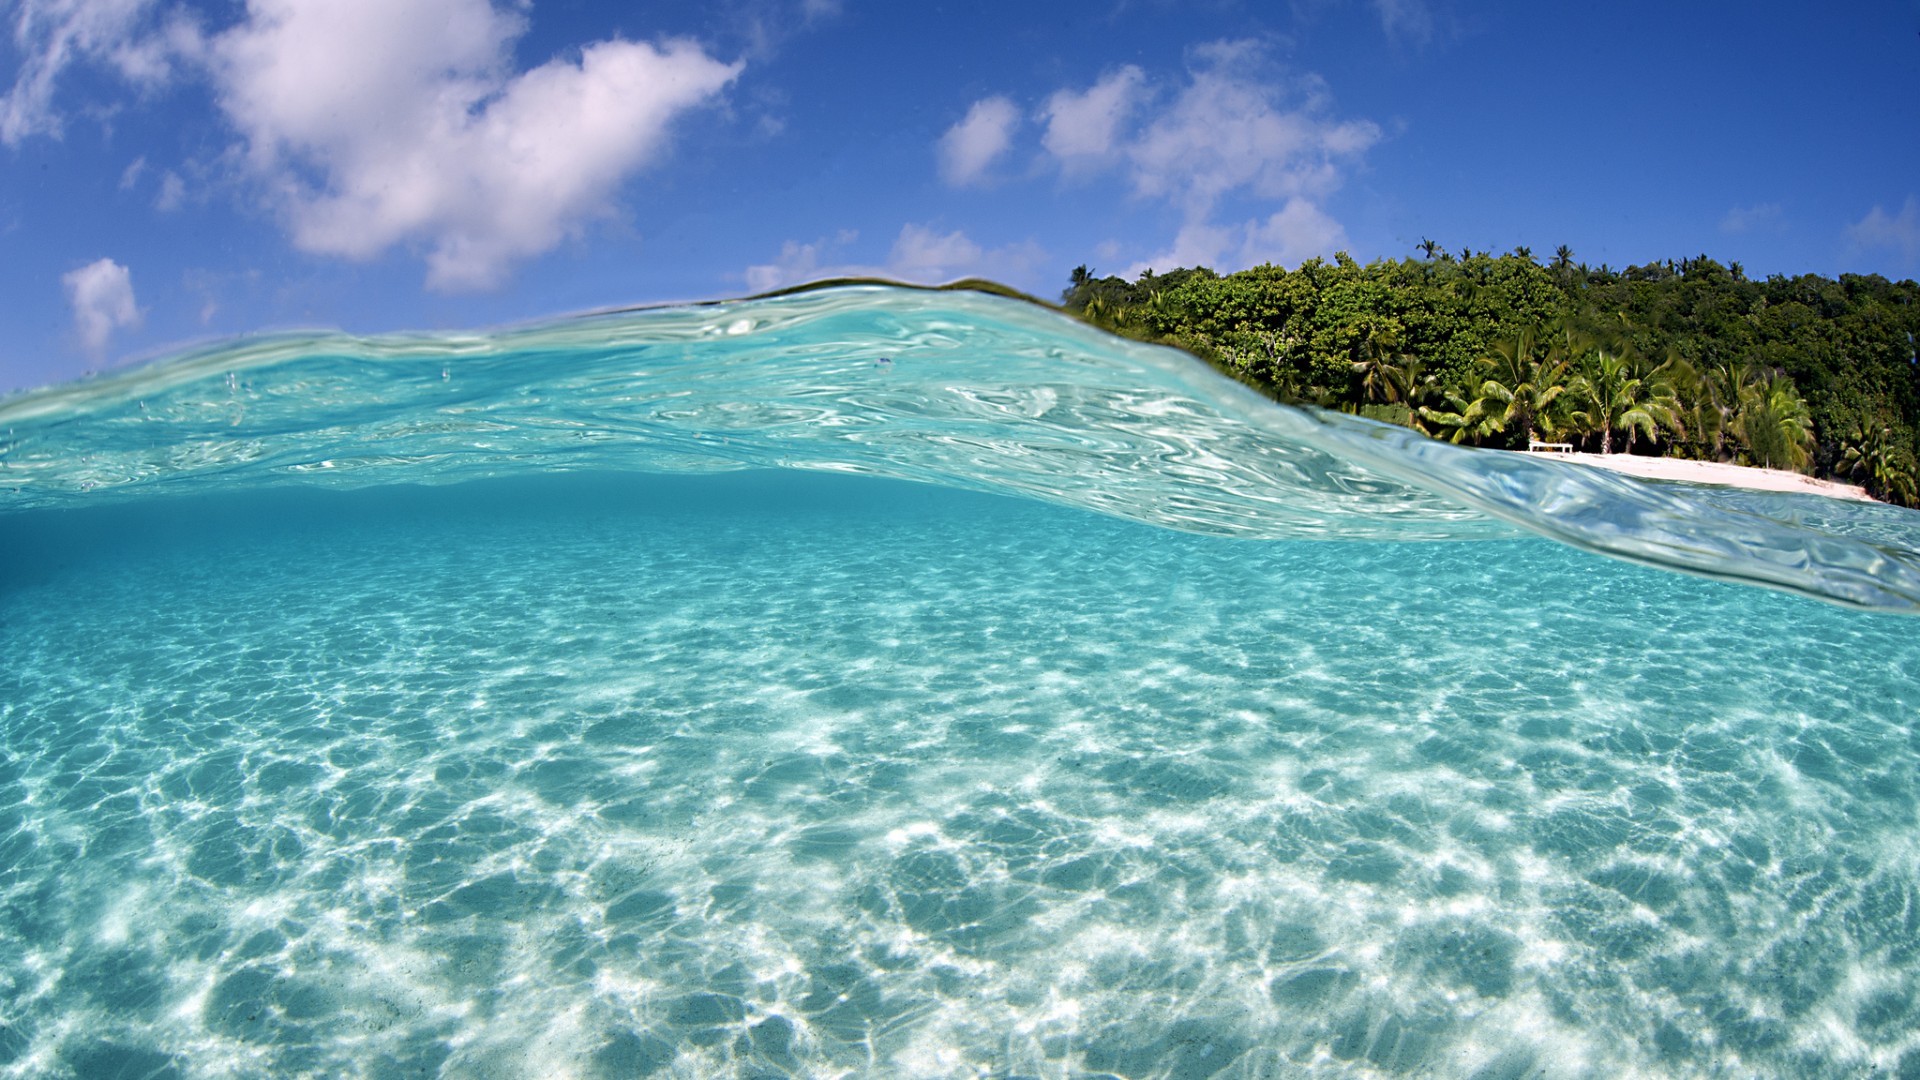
[[762, 776]]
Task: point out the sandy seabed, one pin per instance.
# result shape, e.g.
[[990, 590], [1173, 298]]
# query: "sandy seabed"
[[789, 774]]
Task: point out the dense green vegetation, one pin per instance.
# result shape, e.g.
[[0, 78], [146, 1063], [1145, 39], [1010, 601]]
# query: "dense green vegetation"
[[1690, 359]]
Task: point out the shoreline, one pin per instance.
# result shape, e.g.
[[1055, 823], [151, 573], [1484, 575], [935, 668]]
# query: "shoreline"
[[1714, 472]]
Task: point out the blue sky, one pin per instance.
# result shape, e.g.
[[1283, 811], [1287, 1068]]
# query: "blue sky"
[[173, 171]]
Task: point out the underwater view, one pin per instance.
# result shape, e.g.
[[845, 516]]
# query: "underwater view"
[[877, 681]]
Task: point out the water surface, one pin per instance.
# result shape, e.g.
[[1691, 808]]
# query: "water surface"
[[350, 730]]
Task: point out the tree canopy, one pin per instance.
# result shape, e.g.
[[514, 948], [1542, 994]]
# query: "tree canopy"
[[1688, 358]]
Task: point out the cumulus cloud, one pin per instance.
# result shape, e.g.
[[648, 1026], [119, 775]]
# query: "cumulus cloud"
[[101, 295], [1084, 127], [370, 123], [1745, 219], [970, 147], [920, 254], [924, 255], [1299, 231], [1229, 129], [1235, 131], [800, 263], [374, 123], [132, 38], [1900, 232], [1196, 244]]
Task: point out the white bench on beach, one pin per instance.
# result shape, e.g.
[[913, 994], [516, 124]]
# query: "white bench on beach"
[[1535, 446]]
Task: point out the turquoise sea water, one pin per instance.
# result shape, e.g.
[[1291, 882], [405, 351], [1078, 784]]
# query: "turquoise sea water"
[[877, 682]]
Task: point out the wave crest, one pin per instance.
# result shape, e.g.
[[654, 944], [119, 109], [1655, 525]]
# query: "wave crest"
[[952, 387]]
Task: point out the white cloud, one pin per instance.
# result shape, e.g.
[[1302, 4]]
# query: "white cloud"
[[798, 264], [1229, 128], [173, 193], [1901, 231], [1084, 128], [373, 123], [54, 35], [101, 294], [1743, 219], [923, 255], [1196, 244], [1297, 232], [173, 188], [920, 254], [970, 147], [1234, 131], [1405, 20]]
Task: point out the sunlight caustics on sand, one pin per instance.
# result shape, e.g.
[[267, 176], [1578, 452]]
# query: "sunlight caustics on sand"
[[628, 711]]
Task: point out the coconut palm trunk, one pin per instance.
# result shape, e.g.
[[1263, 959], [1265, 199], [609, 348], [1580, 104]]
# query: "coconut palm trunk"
[[1612, 396]]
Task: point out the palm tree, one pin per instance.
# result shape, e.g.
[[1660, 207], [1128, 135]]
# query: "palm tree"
[[1456, 419], [1162, 312], [1562, 258], [1374, 375], [1612, 397], [1699, 423], [1428, 248], [1522, 382], [1873, 455], [1097, 311], [1376, 354], [1773, 423], [1716, 403], [1417, 384]]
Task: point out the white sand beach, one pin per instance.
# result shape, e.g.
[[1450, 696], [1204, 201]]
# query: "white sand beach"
[[1713, 472]]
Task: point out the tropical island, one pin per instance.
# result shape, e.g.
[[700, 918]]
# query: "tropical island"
[[1687, 359]]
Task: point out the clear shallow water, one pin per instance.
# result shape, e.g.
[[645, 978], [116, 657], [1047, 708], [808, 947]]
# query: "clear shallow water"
[[957, 388], [775, 773]]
